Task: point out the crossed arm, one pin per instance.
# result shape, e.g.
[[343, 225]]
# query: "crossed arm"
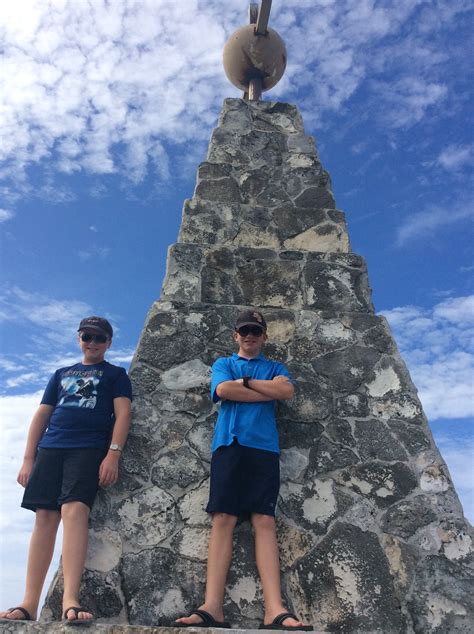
[[279, 388]]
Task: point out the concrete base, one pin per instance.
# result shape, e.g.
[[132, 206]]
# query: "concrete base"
[[110, 628]]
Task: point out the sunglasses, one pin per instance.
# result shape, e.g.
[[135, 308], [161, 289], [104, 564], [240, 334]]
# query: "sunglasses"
[[256, 331], [87, 337]]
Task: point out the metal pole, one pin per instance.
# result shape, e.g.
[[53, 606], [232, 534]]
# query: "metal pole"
[[253, 12], [255, 89], [263, 17]]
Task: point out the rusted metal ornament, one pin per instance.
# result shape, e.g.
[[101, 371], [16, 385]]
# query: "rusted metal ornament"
[[248, 57]]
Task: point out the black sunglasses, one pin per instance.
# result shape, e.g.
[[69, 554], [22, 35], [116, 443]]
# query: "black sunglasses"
[[256, 331], [86, 337]]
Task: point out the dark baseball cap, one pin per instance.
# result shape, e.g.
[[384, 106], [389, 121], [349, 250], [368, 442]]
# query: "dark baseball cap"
[[250, 318], [97, 323]]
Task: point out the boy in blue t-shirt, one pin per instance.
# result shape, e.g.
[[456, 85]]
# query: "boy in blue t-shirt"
[[74, 444], [245, 472]]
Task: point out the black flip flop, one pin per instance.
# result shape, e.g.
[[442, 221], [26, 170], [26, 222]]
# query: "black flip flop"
[[77, 620], [207, 621], [25, 613], [277, 624]]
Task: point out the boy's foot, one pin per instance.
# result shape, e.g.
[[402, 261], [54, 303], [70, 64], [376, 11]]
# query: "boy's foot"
[[286, 621], [76, 615], [200, 618], [16, 614]]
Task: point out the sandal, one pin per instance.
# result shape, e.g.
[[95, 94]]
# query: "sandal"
[[24, 611], [277, 624], [207, 621], [77, 620]]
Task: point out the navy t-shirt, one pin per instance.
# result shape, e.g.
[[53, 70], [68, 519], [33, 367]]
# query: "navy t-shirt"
[[83, 400]]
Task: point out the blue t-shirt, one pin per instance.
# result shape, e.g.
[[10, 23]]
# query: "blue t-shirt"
[[253, 424], [83, 400]]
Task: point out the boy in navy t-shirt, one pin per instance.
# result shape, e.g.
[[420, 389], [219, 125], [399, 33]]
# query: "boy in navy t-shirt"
[[73, 447], [245, 472]]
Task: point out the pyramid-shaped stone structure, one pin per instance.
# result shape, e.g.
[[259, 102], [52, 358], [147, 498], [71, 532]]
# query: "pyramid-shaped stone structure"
[[371, 530]]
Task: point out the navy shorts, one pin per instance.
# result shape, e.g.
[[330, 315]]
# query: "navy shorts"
[[63, 475], [244, 480]]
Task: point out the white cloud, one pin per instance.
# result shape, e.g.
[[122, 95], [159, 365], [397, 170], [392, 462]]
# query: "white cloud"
[[455, 157], [94, 252], [423, 224], [408, 99], [83, 79], [5, 214], [50, 339], [438, 348], [458, 454], [15, 523]]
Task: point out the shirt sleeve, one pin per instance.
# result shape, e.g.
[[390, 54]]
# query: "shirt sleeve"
[[220, 373], [122, 385], [281, 370], [50, 396]]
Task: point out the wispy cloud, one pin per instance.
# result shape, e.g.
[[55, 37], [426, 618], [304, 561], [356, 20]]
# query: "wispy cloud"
[[6, 214], [459, 458], [94, 252], [16, 523], [82, 81], [455, 157], [50, 327], [438, 346], [408, 99], [423, 224]]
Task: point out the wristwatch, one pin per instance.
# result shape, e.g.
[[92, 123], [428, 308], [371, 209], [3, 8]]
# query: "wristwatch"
[[115, 447], [245, 380]]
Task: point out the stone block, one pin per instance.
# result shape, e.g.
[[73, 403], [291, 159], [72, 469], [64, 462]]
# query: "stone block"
[[348, 582], [384, 483]]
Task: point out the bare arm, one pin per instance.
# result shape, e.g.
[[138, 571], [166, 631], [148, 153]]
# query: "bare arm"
[[108, 471], [38, 424], [235, 391], [279, 388]]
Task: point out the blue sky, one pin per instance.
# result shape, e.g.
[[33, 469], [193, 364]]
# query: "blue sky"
[[106, 111]]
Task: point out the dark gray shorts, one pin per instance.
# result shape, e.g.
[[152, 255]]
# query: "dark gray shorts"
[[244, 480], [63, 475]]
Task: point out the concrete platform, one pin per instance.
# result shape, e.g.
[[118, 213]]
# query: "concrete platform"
[[23, 627]]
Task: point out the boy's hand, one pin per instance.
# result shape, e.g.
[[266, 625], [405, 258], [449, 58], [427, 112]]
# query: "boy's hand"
[[25, 471], [281, 378], [108, 470]]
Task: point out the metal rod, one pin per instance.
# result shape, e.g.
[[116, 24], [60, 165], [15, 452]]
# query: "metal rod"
[[253, 12], [255, 89], [263, 17]]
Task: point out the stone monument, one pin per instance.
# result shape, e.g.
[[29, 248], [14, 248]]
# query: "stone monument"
[[371, 531]]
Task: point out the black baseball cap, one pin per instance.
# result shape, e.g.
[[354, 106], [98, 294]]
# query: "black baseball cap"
[[97, 323], [250, 318]]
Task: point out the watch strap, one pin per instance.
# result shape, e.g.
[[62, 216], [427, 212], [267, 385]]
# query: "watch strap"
[[246, 380]]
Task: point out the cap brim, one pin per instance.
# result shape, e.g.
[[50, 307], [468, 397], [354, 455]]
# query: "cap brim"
[[250, 323], [101, 330]]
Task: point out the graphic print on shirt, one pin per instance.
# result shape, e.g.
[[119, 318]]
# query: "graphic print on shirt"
[[79, 390]]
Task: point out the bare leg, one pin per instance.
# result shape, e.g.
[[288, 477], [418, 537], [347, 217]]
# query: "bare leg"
[[40, 554], [268, 564], [75, 517], [218, 563]]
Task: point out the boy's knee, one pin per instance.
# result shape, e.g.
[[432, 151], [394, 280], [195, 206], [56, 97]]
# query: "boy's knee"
[[47, 519], [74, 510], [263, 522], [224, 520]]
